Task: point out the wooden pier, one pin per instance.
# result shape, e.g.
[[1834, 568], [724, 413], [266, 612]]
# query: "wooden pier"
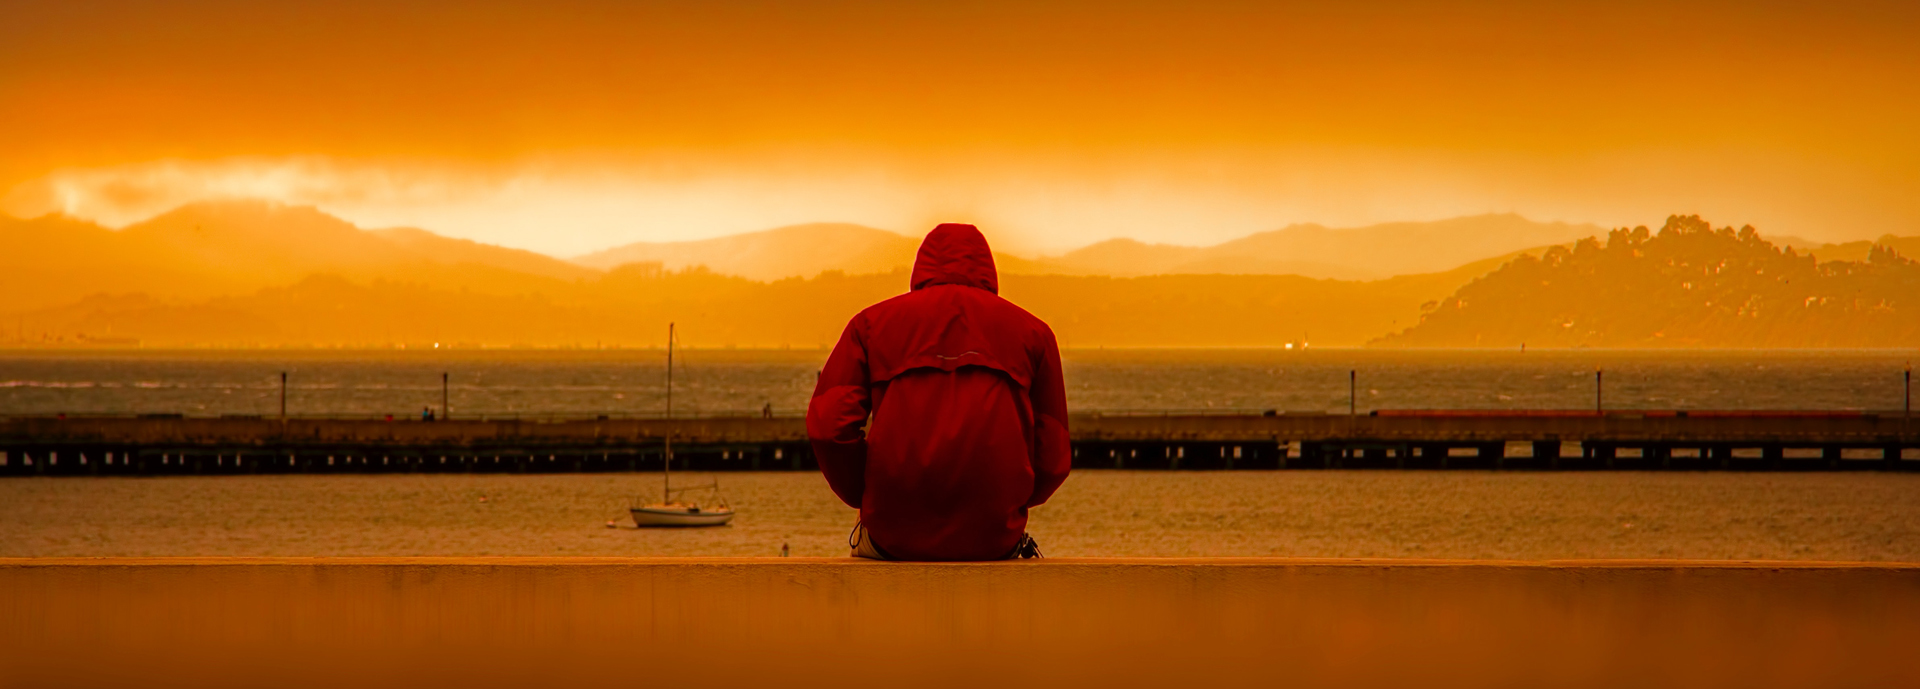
[[1389, 439]]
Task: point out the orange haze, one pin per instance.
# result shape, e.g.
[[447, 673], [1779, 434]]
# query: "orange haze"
[[568, 127]]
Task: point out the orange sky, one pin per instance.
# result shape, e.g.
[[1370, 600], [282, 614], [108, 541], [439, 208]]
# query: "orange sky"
[[566, 127]]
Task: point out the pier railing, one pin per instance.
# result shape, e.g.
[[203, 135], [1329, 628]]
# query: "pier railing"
[[1402, 439]]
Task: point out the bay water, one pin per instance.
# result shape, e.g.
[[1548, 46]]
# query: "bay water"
[[495, 383]]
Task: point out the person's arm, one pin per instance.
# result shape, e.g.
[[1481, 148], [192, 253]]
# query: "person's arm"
[[1052, 456], [837, 417]]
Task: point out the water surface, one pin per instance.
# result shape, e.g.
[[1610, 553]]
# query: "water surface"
[[632, 382], [1459, 514]]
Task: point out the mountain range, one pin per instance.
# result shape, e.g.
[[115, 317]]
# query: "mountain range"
[[1361, 253], [211, 249], [260, 274], [207, 250], [1314, 251]]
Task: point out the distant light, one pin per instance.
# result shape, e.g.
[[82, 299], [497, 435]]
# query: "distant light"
[[436, 345], [1289, 345]]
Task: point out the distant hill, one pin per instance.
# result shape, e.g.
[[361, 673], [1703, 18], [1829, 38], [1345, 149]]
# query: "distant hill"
[[1363, 253], [55, 260], [211, 249], [1859, 251], [1371, 252], [793, 251], [453, 251], [1688, 285]]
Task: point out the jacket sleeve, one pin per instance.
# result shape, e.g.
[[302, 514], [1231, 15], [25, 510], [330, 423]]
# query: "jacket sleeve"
[[837, 417], [1052, 456]]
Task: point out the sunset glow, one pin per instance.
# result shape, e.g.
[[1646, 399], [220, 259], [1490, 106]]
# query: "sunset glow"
[[577, 126]]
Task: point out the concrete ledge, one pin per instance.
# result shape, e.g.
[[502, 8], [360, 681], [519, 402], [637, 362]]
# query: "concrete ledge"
[[482, 622]]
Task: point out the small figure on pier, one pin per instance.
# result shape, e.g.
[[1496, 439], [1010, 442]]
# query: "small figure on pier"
[[426, 413]]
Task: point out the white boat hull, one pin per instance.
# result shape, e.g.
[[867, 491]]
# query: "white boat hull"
[[675, 515]]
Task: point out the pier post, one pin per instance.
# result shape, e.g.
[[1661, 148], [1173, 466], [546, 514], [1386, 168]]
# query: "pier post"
[[1605, 453], [1548, 450], [1492, 455], [1311, 454], [1599, 392], [1431, 456]]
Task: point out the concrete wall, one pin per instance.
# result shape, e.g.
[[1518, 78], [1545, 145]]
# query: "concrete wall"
[[799, 622]]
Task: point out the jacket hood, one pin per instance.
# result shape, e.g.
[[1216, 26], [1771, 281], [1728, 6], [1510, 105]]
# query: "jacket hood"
[[955, 254]]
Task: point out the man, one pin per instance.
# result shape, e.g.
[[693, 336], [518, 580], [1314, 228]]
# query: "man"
[[968, 410]]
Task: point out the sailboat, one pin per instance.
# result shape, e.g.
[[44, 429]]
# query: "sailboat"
[[671, 512]]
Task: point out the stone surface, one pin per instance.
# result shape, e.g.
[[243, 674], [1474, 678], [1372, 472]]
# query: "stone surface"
[[481, 622]]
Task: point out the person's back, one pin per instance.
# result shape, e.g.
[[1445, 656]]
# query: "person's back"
[[969, 413]]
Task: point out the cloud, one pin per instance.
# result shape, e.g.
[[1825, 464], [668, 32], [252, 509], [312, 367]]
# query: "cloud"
[[119, 195], [1028, 202]]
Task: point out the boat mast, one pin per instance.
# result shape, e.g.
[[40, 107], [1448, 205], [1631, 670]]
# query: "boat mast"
[[666, 467]]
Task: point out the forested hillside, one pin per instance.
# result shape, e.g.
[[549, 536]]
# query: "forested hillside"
[[1688, 285]]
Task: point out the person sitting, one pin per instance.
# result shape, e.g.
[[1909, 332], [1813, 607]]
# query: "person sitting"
[[968, 413]]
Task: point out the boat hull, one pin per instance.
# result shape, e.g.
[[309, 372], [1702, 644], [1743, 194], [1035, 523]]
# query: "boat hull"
[[673, 516]]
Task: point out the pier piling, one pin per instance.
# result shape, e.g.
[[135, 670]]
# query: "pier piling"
[[1388, 440]]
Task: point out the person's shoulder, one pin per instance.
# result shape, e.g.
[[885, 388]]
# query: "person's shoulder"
[[1021, 313], [1036, 329], [888, 305]]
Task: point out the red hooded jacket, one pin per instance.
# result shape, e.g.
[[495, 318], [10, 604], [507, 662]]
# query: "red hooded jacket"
[[969, 413]]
